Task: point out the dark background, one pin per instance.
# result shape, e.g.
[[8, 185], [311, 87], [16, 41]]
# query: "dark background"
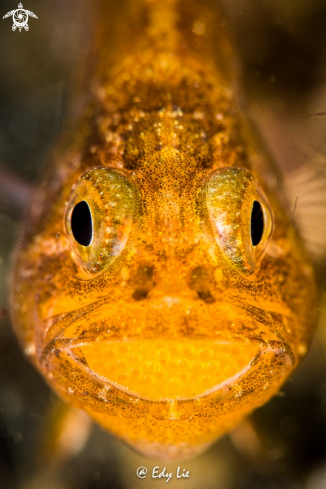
[[282, 47]]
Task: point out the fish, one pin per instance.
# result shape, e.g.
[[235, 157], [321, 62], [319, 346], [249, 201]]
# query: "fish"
[[159, 283]]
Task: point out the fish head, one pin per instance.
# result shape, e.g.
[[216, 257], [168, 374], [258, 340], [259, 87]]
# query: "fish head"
[[171, 288]]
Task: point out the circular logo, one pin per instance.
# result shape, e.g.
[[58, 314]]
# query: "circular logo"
[[141, 472], [20, 17]]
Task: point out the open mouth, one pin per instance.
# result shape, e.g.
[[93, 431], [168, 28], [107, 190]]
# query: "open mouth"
[[191, 356], [169, 369]]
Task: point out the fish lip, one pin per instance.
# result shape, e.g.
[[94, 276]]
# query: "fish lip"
[[276, 347], [66, 342], [55, 327], [81, 327], [59, 344]]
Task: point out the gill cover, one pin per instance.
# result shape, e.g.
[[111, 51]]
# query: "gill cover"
[[240, 216], [99, 218]]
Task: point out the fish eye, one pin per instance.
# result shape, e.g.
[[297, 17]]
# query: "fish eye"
[[81, 223], [99, 217], [240, 216], [256, 223]]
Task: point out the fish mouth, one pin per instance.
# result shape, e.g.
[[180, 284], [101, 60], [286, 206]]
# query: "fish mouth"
[[171, 370], [176, 362]]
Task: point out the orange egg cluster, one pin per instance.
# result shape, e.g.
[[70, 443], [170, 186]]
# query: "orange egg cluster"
[[168, 369]]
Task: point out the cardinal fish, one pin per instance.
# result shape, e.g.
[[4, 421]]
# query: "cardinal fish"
[[159, 284]]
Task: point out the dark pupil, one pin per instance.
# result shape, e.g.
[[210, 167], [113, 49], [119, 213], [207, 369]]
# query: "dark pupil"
[[81, 223], [257, 223]]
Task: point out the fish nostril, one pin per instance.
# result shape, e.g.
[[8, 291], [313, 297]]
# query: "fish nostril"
[[141, 280], [140, 294], [202, 280], [206, 296]]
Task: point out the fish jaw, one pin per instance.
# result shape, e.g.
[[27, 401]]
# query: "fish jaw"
[[175, 370], [207, 382], [165, 428]]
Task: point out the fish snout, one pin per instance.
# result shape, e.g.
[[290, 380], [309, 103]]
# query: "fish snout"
[[172, 288], [175, 284]]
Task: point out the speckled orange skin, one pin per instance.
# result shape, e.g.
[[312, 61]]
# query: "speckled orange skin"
[[163, 113]]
